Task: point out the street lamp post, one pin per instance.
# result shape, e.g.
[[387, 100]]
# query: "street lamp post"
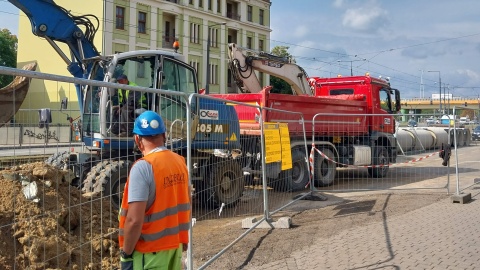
[[439, 88], [351, 64], [207, 81]]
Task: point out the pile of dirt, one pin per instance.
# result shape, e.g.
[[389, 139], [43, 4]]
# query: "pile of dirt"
[[56, 227]]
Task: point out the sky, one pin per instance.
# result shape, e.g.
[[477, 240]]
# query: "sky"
[[401, 40]]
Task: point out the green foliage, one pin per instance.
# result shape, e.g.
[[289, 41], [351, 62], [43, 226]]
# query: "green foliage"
[[280, 86], [8, 54]]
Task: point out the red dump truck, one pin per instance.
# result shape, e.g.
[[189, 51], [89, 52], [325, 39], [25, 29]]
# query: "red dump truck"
[[353, 124]]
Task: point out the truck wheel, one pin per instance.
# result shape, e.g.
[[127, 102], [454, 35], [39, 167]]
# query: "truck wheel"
[[283, 182], [300, 174], [324, 170], [227, 182], [58, 160], [109, 179], [380, 157]]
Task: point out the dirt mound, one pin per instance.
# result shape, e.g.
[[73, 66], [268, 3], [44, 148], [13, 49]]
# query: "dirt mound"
[[56, 227]]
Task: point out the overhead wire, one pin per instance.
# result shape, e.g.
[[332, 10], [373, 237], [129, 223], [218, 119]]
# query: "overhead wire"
[[90, 33]]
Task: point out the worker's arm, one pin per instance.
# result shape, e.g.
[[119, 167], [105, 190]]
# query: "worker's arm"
[[133, 225]]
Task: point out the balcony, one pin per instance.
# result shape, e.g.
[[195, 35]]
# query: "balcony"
[[167, 42], [233, 16]]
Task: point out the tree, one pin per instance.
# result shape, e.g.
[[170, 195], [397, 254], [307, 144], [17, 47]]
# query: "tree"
[[8, 54], [278, 85]]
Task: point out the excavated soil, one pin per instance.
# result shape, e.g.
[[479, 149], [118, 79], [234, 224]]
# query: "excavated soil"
[[58, 228], [61, 229]]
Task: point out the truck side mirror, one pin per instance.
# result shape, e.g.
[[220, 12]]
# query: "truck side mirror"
[[64, 103], [398, 106]]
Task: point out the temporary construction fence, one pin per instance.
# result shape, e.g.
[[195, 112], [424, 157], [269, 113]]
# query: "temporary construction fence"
[[244, 175], [267, 160], [370, 161]]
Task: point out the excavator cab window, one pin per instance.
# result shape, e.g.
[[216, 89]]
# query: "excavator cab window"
[[178, 77]]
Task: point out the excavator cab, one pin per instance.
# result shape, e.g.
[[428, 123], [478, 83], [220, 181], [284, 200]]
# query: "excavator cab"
[[150, 69]]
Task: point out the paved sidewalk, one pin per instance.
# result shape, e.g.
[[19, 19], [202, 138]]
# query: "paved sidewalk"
[[443, 235]]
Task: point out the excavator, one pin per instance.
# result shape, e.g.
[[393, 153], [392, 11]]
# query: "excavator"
[[243, 62], [13, 95], [103, 168], [349, 119]]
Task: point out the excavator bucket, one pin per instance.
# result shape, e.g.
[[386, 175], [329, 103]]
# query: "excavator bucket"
[[12, 95]]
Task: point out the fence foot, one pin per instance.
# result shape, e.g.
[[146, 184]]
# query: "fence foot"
[[281, 223], [311, 197], [462, 198]]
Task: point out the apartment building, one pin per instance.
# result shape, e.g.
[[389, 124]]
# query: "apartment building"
[[154, 24]]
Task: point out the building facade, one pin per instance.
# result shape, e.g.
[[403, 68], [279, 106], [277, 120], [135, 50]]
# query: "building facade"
[[155, 24]]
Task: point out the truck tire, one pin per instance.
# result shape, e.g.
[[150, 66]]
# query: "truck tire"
[[59, 160], [380, 157], [283, 182], [109, 179], [324, 169], [226, 182], [299, 173]]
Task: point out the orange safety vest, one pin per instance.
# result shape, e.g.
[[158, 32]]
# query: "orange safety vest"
[[167, 221]]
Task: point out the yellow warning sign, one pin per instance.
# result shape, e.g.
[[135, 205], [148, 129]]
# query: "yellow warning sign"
[[273, 144], [233, 137], [286, 149]]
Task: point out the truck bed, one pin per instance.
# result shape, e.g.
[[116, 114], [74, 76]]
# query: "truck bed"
[[346, 115]]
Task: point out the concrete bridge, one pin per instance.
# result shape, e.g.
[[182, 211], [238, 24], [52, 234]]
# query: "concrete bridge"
[[419, 104]]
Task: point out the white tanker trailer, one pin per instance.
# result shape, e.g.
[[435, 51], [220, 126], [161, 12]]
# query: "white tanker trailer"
[[427, 138]]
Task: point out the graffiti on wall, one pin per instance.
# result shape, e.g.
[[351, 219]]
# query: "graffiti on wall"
[[50, 135]]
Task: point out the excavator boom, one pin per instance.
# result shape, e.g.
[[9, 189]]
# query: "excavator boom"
[[243, 62], [56, 24]]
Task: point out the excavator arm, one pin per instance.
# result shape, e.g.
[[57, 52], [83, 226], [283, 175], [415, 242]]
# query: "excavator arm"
[[56, 24], [243, 62]]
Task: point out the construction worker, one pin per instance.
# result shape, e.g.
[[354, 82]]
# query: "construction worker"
[[156, 205], [124, 108], [176, 45]]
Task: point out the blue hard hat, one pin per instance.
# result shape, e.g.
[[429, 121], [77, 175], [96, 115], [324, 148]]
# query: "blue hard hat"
[[149, 123]]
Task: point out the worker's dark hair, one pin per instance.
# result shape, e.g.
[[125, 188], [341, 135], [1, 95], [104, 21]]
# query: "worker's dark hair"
[[122, 77]]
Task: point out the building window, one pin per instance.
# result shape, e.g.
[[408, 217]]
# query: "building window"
[[142, 22], [140, 70], [200, 3], [261, 17], [213, 74], [120, 18], [219, 6], [195, 65], [190, 2], [213, 37], [249, 42], [260, 45], [194, 33], [209, 4], [249, 13]]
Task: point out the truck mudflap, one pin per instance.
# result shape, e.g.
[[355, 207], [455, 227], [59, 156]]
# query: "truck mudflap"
[[12, 95]]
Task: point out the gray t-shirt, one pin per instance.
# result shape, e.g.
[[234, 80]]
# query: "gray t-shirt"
[[141, 187]]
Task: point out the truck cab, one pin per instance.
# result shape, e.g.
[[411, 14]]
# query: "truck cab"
[[382, 100]]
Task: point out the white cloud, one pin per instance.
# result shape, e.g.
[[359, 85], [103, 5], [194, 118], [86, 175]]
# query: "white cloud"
[[338, 3], [301, 31], [364, 19]]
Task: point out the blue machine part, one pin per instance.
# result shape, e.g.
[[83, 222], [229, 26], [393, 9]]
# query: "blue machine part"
[[218, 126]]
